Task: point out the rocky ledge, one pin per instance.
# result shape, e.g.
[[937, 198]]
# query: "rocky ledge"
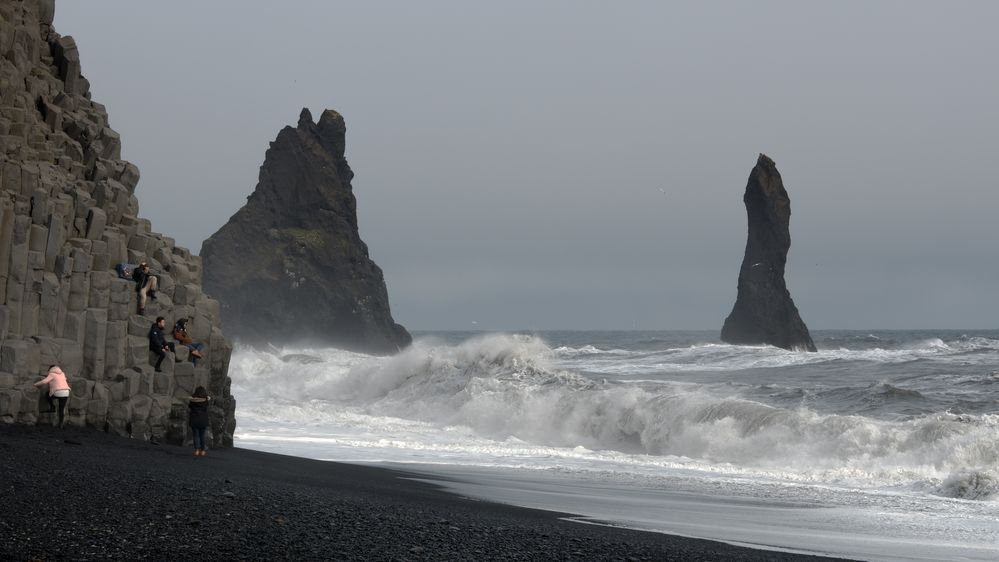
[[68, 215]]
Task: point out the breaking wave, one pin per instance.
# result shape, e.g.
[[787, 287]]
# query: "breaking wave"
[[970, 485], [511, 389]]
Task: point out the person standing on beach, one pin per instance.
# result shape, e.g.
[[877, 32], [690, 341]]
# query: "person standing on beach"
[[158, 343], [198, 419], [58, 389]]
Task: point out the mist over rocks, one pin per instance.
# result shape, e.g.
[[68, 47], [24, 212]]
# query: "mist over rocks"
[[764, 312], [68, 215], [290, 266]]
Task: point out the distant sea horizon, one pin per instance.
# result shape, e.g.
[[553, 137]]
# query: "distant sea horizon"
[[717, 330]]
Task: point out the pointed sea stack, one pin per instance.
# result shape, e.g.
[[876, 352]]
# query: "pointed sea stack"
[[290, 266], [764, 312]]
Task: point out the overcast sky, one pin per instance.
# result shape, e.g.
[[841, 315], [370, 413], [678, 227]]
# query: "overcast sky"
[[509, 156]]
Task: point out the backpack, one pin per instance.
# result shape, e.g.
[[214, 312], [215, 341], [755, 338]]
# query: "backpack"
[[125, 270]]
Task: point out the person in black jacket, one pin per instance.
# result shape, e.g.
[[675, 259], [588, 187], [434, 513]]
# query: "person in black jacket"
[[199, 419], [158, 343], [145, 284]]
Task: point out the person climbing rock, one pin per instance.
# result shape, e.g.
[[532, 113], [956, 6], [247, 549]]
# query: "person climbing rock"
[[180, 334], [58, 390], [145, 285], [157, 343]]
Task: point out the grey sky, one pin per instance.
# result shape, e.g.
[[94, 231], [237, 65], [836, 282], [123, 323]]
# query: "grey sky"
[[509, 156]]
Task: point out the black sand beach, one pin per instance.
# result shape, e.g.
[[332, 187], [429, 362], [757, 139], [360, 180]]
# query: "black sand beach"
[[77, 494]]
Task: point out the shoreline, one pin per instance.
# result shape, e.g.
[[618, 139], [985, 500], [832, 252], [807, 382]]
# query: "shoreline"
[[80, 494]]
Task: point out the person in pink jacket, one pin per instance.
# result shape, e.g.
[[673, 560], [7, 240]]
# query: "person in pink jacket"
[[58, 389]]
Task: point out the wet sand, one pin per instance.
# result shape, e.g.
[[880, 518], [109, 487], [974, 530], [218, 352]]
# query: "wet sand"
[[77, 494]]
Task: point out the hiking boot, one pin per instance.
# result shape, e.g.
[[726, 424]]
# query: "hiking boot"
[[152, 295]]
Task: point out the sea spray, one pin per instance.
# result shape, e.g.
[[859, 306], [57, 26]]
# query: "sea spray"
[[970, 485], [514, 389], [882, 445]]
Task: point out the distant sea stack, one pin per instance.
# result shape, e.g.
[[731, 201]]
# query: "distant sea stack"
[[290, 266], [68, 216], [764, 312]]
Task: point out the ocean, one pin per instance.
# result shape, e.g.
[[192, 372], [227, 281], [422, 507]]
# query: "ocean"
[[883, 445]]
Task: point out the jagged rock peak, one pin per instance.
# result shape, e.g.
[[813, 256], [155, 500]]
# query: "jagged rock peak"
[[333, 132], [305, 119], [290, 266], [332, 121], [764, 312]]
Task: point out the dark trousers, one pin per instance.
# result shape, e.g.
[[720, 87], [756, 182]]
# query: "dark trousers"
[[62, 405], [198, 433], [162, 354]]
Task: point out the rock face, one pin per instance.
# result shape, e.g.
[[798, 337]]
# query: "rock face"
[[290, 267], [764, 312], [68, 215]]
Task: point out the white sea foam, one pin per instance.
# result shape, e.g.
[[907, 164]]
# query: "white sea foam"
[[633, 436], [731, 358], [588, 350], [970, 485], [501, 396]]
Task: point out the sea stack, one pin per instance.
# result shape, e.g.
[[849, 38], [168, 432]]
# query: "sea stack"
[[290, 267], [764, 312]]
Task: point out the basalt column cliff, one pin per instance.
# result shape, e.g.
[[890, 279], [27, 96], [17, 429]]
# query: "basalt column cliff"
[[68, 215], [764, 312], [290, 266]]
